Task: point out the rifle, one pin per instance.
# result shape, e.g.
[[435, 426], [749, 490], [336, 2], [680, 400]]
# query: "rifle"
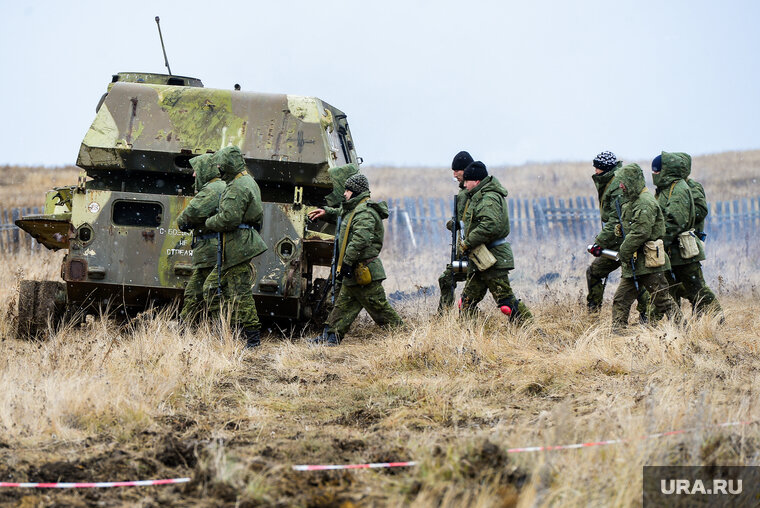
[[454, 241], [333, 271], [219, 254], [334, 263], [622, 233]]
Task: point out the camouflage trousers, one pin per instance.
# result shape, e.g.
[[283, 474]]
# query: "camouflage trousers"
[[448, 284], [194, 304], [661, 303], [687, 281], [352, 299], [495, 280], [237, 290], [599, 269]]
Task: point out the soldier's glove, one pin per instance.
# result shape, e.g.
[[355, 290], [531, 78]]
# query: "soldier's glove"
[[595, 250], [463, 247], [184, 227], [618, 231], [347, 271]]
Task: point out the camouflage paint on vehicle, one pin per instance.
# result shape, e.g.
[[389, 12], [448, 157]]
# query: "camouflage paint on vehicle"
[[119, 221]]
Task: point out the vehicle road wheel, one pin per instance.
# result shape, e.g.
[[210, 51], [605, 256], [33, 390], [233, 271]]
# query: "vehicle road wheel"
[[38, 307]]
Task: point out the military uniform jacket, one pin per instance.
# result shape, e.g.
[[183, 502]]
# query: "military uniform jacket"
[[677, 203], [700, 204], [240, 204], [608, 187], [486, 220], [642, 222], [201, 207], [365, 236]]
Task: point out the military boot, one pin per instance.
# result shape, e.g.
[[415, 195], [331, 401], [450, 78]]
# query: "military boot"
[[252, 337], [325, 339]]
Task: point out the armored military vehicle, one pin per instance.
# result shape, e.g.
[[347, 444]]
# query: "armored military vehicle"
[[118, 223]]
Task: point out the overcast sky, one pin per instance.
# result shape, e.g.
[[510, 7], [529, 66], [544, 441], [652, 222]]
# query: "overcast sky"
[[508, 81]]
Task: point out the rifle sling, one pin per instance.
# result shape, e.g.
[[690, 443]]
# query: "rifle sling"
[[345, 236]]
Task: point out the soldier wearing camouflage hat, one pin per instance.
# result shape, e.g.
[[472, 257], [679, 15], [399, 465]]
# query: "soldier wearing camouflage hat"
[[360, 240], [209, 187], [607, 183], [684, 208], [643, 257], [449, 278], [238, 219]]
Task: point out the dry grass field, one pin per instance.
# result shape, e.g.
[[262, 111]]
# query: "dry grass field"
[[107, 402]]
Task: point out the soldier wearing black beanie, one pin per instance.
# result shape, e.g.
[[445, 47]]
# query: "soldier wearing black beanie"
[[475, 171], [461, 161], [449, 278]]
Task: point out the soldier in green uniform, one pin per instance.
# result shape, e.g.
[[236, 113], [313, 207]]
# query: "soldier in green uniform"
[[208, 188], [238, 218], [674, 195], [338, 176], [486, 223], [608, 188], [360, 241], [449, 278], [643, 222]]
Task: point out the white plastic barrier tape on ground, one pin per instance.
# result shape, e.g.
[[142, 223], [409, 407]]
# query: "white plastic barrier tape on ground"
[[326, 467], [61, 485], [523, 450]]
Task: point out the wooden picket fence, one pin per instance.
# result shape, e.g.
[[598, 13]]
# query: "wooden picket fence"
[[421, 221], [12, 239]]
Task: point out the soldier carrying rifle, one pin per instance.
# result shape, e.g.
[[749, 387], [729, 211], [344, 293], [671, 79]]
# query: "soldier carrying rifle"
[[607, 183], [360, 240], [642, 252], [450, 276]]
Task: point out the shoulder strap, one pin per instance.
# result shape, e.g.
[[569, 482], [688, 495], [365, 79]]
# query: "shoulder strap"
[[345, 236], [671, 189]]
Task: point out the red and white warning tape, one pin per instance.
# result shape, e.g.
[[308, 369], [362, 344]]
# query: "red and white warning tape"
[[325, 467], [141, 483], [524, 450], [618, 441]]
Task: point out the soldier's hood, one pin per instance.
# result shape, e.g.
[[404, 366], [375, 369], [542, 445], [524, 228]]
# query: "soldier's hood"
[[633, 178], [230, 161], [380, 207], [205, 171], [338, 176], [490, 184], [675, 166]]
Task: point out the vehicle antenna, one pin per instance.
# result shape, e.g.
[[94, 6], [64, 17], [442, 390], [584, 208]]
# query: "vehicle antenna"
[[166, 60]]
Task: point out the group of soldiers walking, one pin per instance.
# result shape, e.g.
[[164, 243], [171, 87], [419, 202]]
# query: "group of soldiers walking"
[[226, 215], [656, 239]]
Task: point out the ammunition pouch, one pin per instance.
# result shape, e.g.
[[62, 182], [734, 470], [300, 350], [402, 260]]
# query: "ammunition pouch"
[[654, 254], [482, 257], [688, 245], [362, 274]]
